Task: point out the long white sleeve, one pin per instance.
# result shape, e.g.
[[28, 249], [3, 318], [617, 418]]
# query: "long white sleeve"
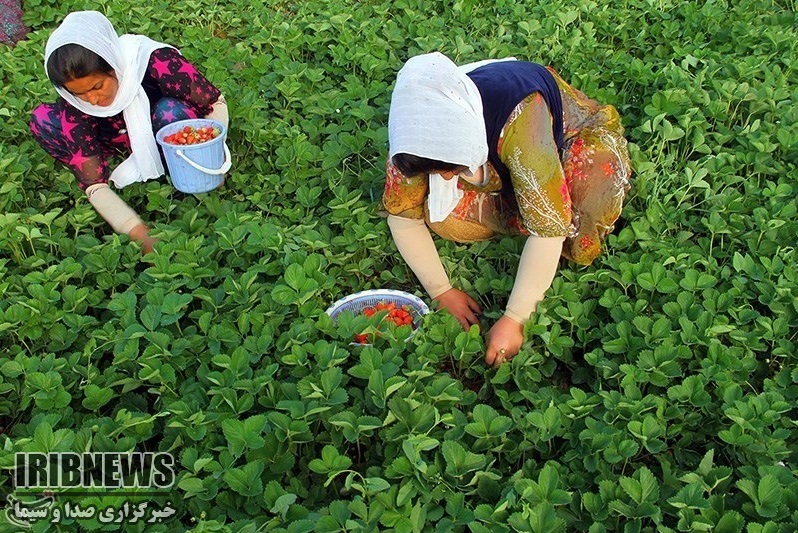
[[220, 112], [417, 248], [112, 208], [536, 270]]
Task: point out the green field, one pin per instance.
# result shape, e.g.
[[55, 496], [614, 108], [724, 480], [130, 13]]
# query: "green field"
[[656, 390]]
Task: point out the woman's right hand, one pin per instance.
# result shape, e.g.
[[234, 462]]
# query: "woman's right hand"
[[463, 307], [141, 234]]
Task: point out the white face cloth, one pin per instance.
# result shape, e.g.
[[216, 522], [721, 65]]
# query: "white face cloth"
[[444, 195], [436, 113], [129, 56]]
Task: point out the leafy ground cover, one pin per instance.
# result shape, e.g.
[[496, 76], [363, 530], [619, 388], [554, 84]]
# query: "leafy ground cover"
[[657, 388]]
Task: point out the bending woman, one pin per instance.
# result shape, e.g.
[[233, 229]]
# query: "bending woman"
[[500, 148], [115, 92]]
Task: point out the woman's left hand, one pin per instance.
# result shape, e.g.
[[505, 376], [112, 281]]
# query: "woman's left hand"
[[504, 341]]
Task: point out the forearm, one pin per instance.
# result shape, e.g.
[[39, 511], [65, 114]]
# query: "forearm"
[[112, 208], [417, 248], [536, 270], [219, 112]]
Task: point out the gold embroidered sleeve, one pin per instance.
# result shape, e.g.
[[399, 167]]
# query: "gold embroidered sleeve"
[[404, 196], [530, 153]]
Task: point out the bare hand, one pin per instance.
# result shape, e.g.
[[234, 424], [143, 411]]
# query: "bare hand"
[[147, 244], [463, 307], [504, 341], [141, 235]]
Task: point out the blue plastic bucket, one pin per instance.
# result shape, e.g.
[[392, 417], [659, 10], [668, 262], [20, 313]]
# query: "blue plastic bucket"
[[196, 167]]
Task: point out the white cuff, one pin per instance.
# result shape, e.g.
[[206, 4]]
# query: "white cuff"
[[219, 112], [536, 270], [415, 243]]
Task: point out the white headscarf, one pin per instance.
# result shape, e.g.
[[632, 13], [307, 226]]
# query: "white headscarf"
[[436, 113], [129, 56]]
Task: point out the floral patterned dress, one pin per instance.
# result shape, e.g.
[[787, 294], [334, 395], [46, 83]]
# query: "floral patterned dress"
[[577, 193]]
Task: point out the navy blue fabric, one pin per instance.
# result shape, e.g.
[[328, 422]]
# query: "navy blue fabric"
[[502, 86]]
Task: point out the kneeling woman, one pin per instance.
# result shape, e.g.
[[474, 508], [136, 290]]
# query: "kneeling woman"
[[500, 148], [115, 92]]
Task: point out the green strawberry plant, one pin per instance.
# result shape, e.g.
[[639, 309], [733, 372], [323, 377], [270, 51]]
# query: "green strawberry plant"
[[655, 390]]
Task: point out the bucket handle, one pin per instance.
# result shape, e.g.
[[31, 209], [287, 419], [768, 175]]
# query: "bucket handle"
[[228, 162]]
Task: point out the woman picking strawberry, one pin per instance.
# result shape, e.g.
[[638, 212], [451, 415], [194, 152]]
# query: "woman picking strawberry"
[[115, 92], [500, 148]]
